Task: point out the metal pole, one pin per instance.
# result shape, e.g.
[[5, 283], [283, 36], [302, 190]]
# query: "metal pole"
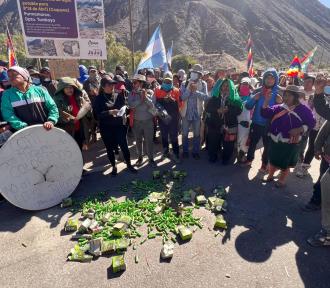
[[131, 32], [318, 69], [148, 13]]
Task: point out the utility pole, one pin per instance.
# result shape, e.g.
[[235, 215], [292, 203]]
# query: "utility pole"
[[318, 69], [131, 32], [148, 16]]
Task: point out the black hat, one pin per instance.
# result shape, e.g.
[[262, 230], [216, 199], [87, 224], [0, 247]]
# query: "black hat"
[[107, 80], [4, 63], [91, 68], [120, 68], [45, 69], [119, 78]]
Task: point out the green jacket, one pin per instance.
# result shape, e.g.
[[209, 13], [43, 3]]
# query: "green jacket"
[[35, 106], [63, 105]]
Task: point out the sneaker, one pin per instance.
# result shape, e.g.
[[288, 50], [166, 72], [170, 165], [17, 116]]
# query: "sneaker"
[[263, 169], [152, 163], [311, 207], [166, 155], [176, 159], [185, 155], [114, 172], [131, 169], [321, 239], [196, 156], [302, 171], [139, 162]]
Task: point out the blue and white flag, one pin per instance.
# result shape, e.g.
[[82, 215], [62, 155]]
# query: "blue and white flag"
[[155, 53], [169, 55]]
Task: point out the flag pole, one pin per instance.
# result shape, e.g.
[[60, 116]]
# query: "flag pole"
[[318, 68], [148, 16], [131, 32]]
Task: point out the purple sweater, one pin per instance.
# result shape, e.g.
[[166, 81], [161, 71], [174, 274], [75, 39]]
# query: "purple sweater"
[[280, 127]]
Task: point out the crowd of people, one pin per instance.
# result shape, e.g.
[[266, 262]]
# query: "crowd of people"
[[227, 113]]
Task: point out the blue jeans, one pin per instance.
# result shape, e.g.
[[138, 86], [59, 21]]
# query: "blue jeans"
[[196, 126]]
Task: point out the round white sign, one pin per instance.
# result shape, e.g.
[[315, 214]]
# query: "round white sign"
[[39, 168]]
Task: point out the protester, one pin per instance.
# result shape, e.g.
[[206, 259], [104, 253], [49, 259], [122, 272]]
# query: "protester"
[[259, 126], [288, 123], [120, 70], [221, 120], [322, 150], [244, 119], [5, 132], [92, 84], [169, 98], [112, 122], [70, 100], [210, 84], [25, 104], [193, 95], [83, 72], [321, 104], [176, 81], [302, 169], [35, 76], [141, 101], [182, 76], [47, 81]]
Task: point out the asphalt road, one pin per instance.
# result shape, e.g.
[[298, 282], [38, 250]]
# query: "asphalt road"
[[265, 245]]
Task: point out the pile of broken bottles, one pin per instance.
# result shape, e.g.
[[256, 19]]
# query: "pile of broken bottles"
[[111, 227]]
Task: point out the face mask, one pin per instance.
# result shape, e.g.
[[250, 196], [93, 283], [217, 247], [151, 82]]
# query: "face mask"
[[194, 76], [36, 81], [167, 87], [327, 90], [244, 91]]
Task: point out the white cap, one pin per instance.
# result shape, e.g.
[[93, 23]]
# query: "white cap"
[[246, 80]]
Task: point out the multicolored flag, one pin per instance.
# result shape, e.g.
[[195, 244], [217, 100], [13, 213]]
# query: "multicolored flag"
[[155, 53], [295, 68], [306, 61], [250, 57], [10, 51]]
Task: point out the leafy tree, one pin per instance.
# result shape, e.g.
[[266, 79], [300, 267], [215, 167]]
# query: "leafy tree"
[[182, 62]]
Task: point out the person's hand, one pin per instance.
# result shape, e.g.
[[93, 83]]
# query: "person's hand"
[[193, 87], [143, 94], [296, 132], [257, 97], [318, 155], [48, 125], [114, 112], [320, 83]]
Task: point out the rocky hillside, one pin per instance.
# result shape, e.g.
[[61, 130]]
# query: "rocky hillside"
[[279, 28]]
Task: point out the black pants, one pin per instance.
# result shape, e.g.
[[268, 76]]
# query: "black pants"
[[79, 138], [113, 136], [215, 141], [310, 151], [257, 132], [170, 131], [316, 198]]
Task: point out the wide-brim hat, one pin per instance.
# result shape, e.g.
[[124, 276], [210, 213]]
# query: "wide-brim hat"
[[246, 80], [197, 68], [295, 89], [139, 77]]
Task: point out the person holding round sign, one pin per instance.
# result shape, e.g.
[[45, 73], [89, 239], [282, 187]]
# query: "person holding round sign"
[[75, 110], [25, 104]]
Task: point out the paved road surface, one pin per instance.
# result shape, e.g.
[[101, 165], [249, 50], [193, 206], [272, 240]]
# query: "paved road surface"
[[265, 246]]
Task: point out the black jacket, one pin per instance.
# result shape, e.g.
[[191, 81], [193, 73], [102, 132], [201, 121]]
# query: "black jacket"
[[321, 106], [105, 103], [215, 121]]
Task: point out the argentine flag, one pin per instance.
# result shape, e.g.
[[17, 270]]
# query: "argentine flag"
[[155, 53]]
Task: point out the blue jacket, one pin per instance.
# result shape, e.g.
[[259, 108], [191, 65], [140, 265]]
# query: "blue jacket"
[[257, 104], [83, 74]]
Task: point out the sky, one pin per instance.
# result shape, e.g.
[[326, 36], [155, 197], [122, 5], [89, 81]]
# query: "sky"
[[326, 2]]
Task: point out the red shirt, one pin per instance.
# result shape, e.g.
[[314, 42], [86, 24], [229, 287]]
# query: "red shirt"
[[75, 111]]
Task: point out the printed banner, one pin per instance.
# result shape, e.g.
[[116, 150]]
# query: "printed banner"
[[63, 29], [64, 68]]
